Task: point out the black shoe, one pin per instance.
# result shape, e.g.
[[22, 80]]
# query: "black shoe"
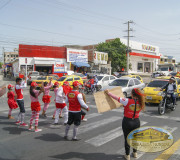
[[66, 138], [75, 139]]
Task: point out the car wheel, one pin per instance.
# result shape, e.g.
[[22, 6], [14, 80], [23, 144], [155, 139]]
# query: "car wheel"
[[125, 94]]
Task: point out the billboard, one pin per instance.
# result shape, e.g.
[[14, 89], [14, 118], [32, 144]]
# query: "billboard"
[[59, 67], [100, 57], [74, 55]]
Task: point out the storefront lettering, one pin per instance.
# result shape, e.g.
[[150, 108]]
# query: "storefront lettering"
[[99, 56], [149, 48], [102, 57]]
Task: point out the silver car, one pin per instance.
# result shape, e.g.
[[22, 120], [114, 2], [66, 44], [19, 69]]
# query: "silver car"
[[127, 84]]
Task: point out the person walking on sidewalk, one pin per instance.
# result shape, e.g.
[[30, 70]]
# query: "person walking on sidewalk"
[[131, 121], [75, 100], [20, 101], [35, 106], [11, 101], [46, 97]]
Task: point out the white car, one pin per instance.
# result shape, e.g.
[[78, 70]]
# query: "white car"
[[105, 80], [127, 85]]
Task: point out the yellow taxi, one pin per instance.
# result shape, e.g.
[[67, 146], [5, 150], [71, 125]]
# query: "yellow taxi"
[[70, 79], [177, 82], [134, 76], [152, 90], [45, 79]]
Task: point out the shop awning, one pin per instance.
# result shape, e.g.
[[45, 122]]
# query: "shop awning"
[[81, 64], [144, 55]]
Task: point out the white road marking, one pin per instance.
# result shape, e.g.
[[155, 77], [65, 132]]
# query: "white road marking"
[[108, 136], [89, 116]]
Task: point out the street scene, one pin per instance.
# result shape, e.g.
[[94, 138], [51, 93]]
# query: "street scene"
[[89, 80]]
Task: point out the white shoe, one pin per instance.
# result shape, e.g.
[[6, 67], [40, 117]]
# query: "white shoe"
[[84, 120], [38, 130], [127, 157], [135, 154]]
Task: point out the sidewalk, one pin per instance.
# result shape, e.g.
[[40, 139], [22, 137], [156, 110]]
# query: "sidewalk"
[[6, 81]]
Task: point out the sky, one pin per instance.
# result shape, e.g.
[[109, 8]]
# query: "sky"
[[84, 22]]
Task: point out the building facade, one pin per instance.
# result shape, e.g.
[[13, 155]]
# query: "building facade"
[[9, 57]]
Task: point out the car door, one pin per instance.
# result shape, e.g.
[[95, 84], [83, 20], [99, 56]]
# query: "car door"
[[130, 87], [112, 78], [105, 81]]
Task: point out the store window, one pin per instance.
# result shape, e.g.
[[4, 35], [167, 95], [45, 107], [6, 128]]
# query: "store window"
[[140, 67], [23, 68]]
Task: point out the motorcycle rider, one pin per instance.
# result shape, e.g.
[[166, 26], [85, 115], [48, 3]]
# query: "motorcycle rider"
[[170, 88], [95, 81]]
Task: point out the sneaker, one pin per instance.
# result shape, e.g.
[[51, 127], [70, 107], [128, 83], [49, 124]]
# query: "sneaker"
[[84, 120], [135, 154], [30, 128], [23, 124], [127, 157], [38, 130], [17, 122]]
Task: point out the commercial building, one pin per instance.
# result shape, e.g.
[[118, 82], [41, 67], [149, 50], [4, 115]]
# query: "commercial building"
[[143, 57], [10, 56]]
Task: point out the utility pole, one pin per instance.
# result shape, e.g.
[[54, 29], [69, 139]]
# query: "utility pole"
[[128, 48]]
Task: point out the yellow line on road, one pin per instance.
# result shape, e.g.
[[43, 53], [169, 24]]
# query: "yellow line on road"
[[169, 152]]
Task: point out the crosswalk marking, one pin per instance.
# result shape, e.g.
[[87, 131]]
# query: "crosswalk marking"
[[140, 154], [89, 116], [108, 136], [94, 125]]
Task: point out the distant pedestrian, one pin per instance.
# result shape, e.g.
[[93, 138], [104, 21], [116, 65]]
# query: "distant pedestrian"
[[76, 101], [11, 101], [20, 101], [131, 121], [56, 86], [46, 97], [35, 106]]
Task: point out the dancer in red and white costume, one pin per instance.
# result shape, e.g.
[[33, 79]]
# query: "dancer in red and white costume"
[[46, 97], [76, 101], [56, 86], [60, 102], [35, 106], [20, 101], [11, 101]]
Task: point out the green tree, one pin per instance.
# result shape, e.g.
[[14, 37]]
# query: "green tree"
[[116, 52], [1, 64]]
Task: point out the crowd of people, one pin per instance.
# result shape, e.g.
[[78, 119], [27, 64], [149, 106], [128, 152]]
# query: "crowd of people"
[[73, 113]]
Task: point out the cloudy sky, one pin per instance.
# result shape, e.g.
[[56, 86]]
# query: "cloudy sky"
[[59, 22]]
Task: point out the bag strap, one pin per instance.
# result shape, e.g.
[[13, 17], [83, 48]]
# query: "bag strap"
[[134, 109]]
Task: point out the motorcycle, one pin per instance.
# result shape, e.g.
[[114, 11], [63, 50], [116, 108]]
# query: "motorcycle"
[[88, 88], [166, 103]]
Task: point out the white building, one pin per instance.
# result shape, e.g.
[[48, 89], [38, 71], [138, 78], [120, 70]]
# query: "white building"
[[143, 57]]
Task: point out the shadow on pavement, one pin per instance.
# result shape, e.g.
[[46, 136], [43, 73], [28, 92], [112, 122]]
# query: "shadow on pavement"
[[50, 137], [88, 156], [15, 130], [4, 117]]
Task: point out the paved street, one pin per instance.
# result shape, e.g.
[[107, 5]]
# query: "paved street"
[[101, 136]]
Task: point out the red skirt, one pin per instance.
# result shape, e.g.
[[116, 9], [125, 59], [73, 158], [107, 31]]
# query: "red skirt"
[[35, 106], [46, 99], [60, 105], [12, 104]]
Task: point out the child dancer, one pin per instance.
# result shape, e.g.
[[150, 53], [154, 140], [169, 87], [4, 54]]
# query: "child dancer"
[[20, 101], [46, 98], [56, 86], [11, 101], [35, 106], [60, 102]]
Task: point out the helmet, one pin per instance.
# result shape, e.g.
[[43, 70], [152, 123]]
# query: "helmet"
[[76, 83]]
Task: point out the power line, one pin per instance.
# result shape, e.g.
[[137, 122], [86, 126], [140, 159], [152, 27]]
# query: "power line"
[[5, 4]]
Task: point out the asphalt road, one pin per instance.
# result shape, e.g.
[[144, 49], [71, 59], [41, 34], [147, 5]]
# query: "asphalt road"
[[101, 136]]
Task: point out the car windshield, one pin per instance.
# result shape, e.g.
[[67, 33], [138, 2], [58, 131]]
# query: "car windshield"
[[173, 73], [99, 77], [41, 78], [157, 83], [61, 79], [119, 82], [163, 69]]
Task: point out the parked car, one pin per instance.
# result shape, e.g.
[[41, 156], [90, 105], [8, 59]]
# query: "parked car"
[[70, 79], [104, 80], [34, 75], [84, 78], [127, 84], [55, 75], [121, 74], [45, 79], [135, 76]]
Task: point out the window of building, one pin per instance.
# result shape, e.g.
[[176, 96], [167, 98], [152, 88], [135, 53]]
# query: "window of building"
[[165, 60], [140, 67], [161, 59]]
